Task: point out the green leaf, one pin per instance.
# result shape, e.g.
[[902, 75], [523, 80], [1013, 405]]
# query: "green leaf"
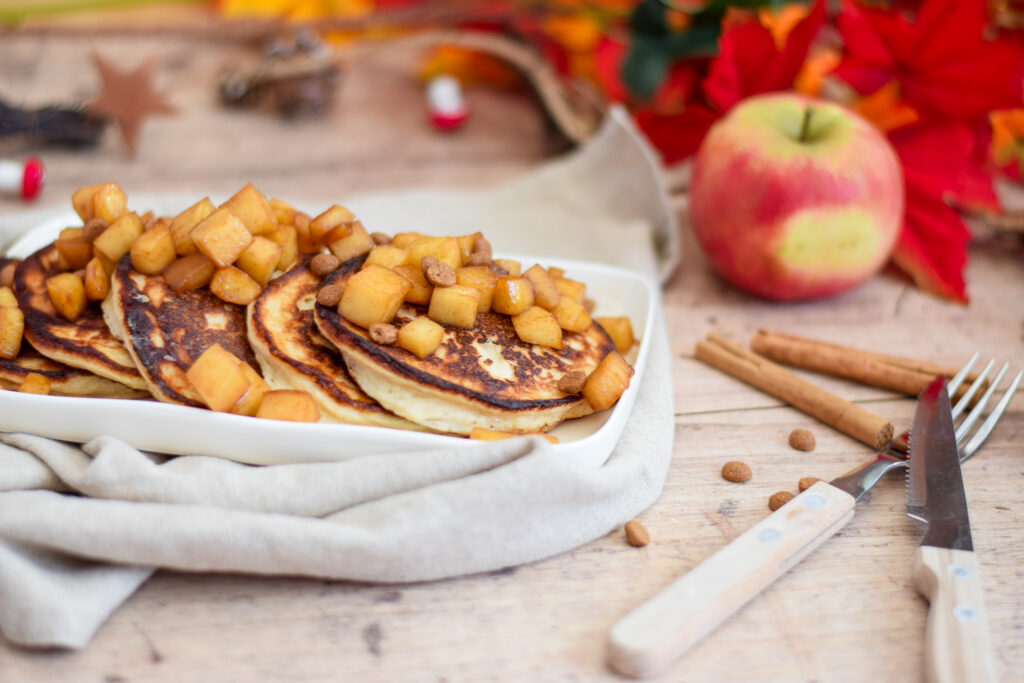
[[645, 67]]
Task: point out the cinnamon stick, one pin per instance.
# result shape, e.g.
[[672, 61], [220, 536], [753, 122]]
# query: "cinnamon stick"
[[760, 372], [902, 375]]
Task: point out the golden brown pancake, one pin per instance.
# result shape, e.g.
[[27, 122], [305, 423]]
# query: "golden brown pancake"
[[86, 343], [294, 355], [165, 331], [484, 376], [64, 379]]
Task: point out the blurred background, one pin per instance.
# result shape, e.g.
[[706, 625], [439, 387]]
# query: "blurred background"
[[308, 97]]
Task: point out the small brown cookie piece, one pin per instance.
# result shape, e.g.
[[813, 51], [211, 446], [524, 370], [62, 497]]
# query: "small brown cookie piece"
[[323, 265], [572, 382], [637, 534], [807, 482], [384, 334], [736, 471], [437, 273], [778, 499], [802, 440]]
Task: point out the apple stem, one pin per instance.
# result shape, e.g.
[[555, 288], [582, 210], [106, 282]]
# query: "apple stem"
[[805, 127]]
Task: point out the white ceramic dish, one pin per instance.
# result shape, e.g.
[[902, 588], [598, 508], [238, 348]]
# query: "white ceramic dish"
[[180, 430]]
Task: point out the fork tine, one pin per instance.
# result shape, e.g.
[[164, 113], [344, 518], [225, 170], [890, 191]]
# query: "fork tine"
[[965, 400], [972, 417], [990, 422], [958, 378]]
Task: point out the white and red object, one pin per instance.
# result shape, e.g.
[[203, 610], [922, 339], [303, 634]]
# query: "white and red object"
[[446, 105], [23, 178]]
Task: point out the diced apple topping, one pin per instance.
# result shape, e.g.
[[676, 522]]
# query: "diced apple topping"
[[373, 295], [456, 305], [116, 240], [545, 290], [421, 336], [218, 377], [608, 381], [234, 286], [290, 405], [67, 293], [619, 329], [481, 278], [153, 250], [221, 237], [190, 272], [482, 434], [538, 326], [12, 326], [512, 295], [35, 383], [571, 315], [260, 259], [182, 224], [253, 209]]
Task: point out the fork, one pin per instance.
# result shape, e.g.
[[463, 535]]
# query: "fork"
[[663, 628]]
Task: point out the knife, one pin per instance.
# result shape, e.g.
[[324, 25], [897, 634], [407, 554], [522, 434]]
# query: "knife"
[[957, 642], [660, 630]]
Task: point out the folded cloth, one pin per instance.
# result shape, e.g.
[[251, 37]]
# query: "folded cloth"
[[81, 527]]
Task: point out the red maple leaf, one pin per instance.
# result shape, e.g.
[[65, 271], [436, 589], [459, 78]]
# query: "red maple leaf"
[[940, 169], [749, 61], [945, 65]]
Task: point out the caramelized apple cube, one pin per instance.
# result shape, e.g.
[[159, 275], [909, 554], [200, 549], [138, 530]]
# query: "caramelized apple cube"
[[421, 290], [608, 382], [512, 295], [402, 240], [12, 327], [510, 266], [571, 288], [556, 272], [444, 249], [545, 290], [356, 243], [34, 383], [81, 201], [478, 277], [386, 255], [249, 403], [334, 217], [571, 315], [109, 202], [182, 224], [116, 240], [7, 297], [284, 213], [96, 280], [218, 377], [189, 272], [153, 250], [253, 209], [373, 295], [536, 325], [306, 243], [481, 434], [619, 329], [67, 292], [420, 337], [234, 286], [260, 259], [75, 251], [221, 236], [288, 237], [456, 305], [290, 405], [466, 244]]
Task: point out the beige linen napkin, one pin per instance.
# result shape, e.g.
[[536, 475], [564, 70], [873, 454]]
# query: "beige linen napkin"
[[82, 527]]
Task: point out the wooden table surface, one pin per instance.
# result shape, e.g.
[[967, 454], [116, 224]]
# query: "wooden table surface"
[[846, 613]]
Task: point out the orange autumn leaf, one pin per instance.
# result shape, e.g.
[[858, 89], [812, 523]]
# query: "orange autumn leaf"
[[886, 109], [1007, 135], [820, 64], [781, 21]]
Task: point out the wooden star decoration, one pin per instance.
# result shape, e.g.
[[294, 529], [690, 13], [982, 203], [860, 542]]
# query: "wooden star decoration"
[[129, 98]]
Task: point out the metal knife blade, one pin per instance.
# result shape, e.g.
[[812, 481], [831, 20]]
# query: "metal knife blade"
[[958, 647], [935, 489]]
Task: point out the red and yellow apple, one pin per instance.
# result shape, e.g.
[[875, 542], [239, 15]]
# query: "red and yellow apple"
[[794, 198]]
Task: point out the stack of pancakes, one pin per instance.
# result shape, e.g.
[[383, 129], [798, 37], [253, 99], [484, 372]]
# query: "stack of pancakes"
[[146, 336]]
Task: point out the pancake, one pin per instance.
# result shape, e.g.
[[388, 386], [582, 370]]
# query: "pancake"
[[293, 354], [64, 379], [479, 377], [165, 331], [86, 343]]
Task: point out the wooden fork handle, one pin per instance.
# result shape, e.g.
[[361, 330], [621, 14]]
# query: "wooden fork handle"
[[660, 630], [958, 648]]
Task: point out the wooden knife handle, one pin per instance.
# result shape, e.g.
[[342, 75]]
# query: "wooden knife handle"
[[958, 647], [661, 629]]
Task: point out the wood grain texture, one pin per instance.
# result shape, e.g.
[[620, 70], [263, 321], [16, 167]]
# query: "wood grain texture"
[[849, 614]]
